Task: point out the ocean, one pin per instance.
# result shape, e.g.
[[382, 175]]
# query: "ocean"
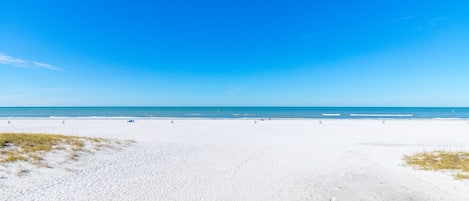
[[237, 112]]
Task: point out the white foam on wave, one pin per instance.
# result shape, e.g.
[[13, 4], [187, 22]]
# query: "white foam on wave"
[[243, 114], [57, 117], [381, 115], [331, 115]]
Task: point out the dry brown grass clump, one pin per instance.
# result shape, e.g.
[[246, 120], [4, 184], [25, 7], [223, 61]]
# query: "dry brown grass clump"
[[441, 160], [32, 147]]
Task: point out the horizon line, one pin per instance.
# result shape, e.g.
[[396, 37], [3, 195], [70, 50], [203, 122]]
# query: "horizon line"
[[232, 106]]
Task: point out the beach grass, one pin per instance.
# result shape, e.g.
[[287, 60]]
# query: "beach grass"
[[441, 161], [32, 148]]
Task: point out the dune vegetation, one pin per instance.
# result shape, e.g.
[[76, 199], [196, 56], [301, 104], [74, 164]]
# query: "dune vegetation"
[[33, 148], [458, 162]]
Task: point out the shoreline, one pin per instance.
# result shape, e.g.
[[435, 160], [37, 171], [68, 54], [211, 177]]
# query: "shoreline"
[[217, 118]]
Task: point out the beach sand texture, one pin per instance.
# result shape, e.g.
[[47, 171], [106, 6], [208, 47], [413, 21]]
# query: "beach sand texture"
[[347, 160]]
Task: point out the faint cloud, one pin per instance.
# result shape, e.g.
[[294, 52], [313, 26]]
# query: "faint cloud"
[[23, 63], [436, 20], [5, 59], [404, 18], [46, 66]]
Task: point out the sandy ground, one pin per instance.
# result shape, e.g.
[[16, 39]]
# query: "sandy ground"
[[239, 160]]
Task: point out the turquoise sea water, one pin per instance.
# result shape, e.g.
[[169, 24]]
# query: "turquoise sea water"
[[235, 112]]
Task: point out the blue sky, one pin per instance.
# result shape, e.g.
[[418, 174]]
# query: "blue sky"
[[234, 53]]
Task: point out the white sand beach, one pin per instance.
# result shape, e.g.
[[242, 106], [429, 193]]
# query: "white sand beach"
[[342, 160]]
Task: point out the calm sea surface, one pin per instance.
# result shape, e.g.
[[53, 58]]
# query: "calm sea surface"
[[235, 112]]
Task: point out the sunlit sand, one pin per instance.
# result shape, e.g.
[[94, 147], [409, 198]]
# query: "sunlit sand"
[[243, 160]]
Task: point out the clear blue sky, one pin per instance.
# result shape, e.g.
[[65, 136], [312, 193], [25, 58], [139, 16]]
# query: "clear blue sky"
[[238, 53]]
